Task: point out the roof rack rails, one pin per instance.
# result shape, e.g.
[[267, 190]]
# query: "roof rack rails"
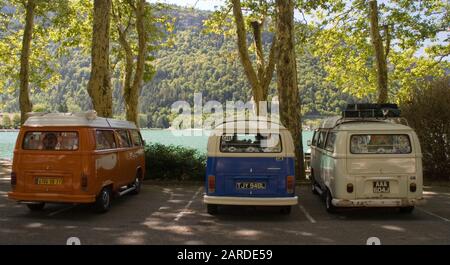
[[237, 119], [370, 110], [366, 112]]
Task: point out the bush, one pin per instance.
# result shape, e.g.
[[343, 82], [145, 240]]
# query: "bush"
[[428, 112], [174, 163]]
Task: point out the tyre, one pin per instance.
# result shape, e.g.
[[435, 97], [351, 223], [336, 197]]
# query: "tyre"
[[408, 209], [212, 209], [36, 206], [137, 184], [286, 210], [103, 201], [328, 202]]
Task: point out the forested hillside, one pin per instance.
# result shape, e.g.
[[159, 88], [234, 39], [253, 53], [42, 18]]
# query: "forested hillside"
[[194, 62]]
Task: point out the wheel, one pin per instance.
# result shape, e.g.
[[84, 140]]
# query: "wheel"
[[137, 185], [286, 210], [408, 209], [212, 209], [36, 206], [328, 202], [103, 202]]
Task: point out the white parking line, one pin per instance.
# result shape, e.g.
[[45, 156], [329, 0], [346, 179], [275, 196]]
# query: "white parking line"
[[433, 214], [61, 210], [308, 216], [186, 208]]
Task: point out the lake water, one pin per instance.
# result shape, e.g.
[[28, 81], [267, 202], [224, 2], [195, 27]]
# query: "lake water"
[[166, 137]]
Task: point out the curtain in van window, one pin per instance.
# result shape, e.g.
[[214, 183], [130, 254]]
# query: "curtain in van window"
[[137, 141], [321, 140], [124, 138], [104, 140], [250, 143], [62, 141], [330, 141], [380, 144]]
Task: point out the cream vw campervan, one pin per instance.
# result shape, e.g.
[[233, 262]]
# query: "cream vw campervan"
[[367, 158]]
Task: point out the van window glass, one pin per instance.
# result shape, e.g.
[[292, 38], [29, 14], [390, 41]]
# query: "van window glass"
[[330, 141], [315, 136], [124, 138], [137, 140], [59, 141], [250, 143], [380, 144], [321, 139], [104, 140]]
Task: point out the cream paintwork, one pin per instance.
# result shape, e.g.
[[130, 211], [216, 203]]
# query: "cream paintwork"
[[106, 162], [337, 169]]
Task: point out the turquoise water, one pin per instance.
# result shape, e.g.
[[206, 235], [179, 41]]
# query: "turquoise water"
[[166, 137]]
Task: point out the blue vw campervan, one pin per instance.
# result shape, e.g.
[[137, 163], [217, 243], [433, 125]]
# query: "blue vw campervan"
[[250, 162]]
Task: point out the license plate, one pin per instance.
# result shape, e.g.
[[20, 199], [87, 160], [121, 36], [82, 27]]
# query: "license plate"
[[381, 186], [250, 185], [49, 181]]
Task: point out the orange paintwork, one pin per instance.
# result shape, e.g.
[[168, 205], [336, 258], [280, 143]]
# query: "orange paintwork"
[[115, 167]]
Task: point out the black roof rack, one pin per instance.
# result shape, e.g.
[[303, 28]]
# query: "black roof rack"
[[370, 110]]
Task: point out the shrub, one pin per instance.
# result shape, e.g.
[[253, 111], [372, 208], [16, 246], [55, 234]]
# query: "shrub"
[[169, 162], [428, 112]]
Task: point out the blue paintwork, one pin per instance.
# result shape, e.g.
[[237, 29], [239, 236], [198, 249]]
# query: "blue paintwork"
[[229, 170]]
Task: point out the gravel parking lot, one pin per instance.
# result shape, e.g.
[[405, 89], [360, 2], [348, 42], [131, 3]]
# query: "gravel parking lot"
[[175, 214]]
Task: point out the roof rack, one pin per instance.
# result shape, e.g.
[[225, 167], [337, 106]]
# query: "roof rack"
[[236, 119], [366, 112], [369, 110]]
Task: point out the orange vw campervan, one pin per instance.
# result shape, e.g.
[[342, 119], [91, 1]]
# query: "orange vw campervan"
[[76, 158]]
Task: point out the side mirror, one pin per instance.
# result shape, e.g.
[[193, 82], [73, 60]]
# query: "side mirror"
[[308, 143]]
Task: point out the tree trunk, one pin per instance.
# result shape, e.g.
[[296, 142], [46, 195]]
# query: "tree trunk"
[[133, 111], [260, 80], [257, 41], [382, 75], [99, 86], [290, 109], [24, 97], [243, 53]]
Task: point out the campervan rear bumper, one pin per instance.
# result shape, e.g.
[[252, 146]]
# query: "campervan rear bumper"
[[50, 197], [377, 202], [225, 200]]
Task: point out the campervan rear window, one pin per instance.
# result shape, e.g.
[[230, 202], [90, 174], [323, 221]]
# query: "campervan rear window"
[[380, 144], [51, 141], [250, 143]]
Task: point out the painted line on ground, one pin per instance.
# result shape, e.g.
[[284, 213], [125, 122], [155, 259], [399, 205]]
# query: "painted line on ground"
[[306, 213], [61, 210], [433, 214], [186, 207]]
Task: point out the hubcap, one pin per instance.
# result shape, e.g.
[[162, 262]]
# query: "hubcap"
[[105, 197], [137, 183]]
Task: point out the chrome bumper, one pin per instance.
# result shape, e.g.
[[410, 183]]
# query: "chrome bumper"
[[377, 202], [225, 200]]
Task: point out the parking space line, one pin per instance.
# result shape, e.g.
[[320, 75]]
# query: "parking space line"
[[61, 210], [433, 214], [306, 213], [186, 208]]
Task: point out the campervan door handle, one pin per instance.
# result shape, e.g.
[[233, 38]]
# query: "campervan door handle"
[[273, 168]]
